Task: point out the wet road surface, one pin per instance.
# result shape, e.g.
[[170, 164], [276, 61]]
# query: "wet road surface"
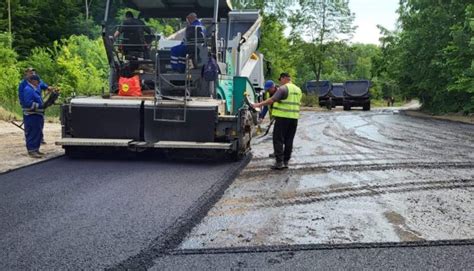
[[357, 180], [355, 177], [75, 214]]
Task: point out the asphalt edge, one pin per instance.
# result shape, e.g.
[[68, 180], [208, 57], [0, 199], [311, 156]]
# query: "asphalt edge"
[[178, 231], [310, 247], [406, 112], [32, 164]]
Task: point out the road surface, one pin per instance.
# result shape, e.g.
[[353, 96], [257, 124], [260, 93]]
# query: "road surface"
[[75, 214], [364, 190], [356, 177]]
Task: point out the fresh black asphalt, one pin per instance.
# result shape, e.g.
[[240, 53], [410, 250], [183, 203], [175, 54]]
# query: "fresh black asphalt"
[[112, 214], [92, 214]]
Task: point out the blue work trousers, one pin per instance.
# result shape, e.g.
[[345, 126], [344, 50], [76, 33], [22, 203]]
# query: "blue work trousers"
[[33, 131]]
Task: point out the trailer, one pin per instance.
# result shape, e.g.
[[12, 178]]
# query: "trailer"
[[337, 93], [176, 109], [323, 90], [356, 93]]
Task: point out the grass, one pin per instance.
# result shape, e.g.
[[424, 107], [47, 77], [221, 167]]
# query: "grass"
[[12, 111], [383, 103], [6, 115]]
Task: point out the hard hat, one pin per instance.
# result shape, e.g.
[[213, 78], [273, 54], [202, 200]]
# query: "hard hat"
[[268, 85]]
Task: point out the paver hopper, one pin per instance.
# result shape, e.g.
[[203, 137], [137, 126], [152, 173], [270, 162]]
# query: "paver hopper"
[[176, 109]]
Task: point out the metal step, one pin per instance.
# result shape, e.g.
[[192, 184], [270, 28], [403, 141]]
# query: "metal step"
[[100, 142]]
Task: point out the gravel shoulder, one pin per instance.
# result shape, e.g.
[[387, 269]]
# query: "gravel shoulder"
[[449, 117], [355, 177], [12, 147]]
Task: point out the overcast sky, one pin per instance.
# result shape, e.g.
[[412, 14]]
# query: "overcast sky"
[[370, 13]]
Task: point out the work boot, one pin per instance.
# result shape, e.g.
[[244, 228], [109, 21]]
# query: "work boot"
[[271, 155], [278, 166], [43, 142], [34, 154], [285, 164], [40, 153]]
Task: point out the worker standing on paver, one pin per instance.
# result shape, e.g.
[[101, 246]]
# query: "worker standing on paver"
[[33, 115], [286, 111]]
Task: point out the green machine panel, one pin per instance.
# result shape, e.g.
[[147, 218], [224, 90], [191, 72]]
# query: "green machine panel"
[[242, 86]]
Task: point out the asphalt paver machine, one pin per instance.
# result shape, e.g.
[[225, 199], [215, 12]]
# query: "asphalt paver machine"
[[176, 109]]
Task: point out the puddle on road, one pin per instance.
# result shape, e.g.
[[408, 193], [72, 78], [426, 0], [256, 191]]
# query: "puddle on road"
[[402, 230], [371, 132]]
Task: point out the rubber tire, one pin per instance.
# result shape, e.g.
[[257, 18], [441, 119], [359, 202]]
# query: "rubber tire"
[[366, 107], [347, 107]]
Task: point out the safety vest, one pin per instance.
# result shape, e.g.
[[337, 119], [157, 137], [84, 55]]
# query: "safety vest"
[[290, 107]]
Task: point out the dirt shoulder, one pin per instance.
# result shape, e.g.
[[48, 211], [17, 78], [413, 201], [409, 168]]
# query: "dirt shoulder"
[[12, 147], [449, 117]]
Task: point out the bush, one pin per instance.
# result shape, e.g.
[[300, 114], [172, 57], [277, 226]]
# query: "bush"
[[309, 100], [76, 65], [9, 75]]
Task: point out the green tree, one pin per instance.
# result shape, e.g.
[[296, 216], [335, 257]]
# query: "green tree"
[[276, 47], [320, 22], [435, 54], [9, 73]]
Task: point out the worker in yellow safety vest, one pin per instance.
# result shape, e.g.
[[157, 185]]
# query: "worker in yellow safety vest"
[[286, 111]]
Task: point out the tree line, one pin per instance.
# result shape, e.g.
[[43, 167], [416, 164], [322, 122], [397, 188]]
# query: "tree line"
[[429, 56]]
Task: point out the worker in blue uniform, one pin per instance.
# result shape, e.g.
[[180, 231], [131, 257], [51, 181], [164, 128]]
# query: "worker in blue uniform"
[[193, 20], [270, 88], [33, 115], [24, 82], [178, 52]]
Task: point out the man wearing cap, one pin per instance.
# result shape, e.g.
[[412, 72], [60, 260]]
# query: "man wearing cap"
[[24, 82], [270, 88], [286, 111], [33, 111]]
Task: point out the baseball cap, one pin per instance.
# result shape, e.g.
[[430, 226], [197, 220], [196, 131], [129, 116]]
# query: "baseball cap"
[[34, 77], [30, 69], [268, 84]]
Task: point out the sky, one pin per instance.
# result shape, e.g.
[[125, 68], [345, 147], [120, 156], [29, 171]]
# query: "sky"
[[370, 13]]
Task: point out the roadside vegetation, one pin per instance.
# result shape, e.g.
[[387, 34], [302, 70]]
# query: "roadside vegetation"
[[428, 57]]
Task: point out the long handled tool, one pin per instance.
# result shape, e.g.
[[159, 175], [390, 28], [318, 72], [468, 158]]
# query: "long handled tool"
[[49, 101], [268, 128], [17, 125]]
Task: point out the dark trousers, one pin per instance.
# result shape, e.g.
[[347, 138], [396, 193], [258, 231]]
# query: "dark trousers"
[[283, 135], [33, 131]]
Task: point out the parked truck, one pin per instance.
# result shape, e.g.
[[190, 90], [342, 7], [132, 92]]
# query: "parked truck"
[[323, 90], [337, 93], [356, 93]]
